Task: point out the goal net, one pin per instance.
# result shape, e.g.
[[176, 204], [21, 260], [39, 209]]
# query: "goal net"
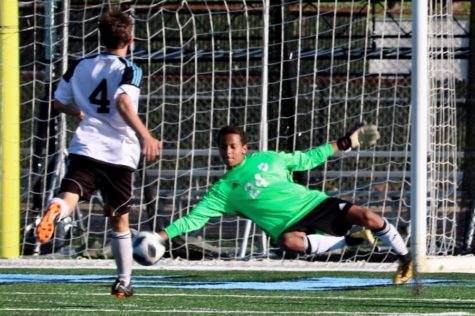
[[304, 71]]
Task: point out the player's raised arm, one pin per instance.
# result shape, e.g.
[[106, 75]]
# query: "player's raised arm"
[[150, 145]]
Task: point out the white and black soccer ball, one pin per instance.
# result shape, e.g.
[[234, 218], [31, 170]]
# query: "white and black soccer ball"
[[148, 248]]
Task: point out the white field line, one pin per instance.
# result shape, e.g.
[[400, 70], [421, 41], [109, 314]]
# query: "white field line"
[[217, 312], [448, 264], [204, 265], [265, 297]]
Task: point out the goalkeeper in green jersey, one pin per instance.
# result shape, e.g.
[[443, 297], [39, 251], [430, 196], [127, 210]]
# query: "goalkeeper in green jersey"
[[259, 187]]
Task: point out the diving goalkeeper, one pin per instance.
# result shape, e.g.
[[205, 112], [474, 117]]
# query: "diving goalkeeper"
[[259, 187]]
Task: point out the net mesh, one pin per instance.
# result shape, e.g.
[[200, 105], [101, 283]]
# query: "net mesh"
[[330, 65]]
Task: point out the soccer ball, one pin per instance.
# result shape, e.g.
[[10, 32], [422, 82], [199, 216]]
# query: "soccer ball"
[[148, 248]]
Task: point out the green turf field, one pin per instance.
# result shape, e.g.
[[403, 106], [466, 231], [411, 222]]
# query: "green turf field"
[[86, 292]]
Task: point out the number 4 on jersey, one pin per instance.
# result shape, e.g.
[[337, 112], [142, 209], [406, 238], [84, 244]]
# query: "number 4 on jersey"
[[99, 97]]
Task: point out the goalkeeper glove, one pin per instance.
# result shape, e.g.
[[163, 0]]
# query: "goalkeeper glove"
[[360, 135]]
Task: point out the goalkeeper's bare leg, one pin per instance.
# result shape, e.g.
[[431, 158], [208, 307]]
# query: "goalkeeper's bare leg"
[[298, 239], [387, 233], [58, 208]]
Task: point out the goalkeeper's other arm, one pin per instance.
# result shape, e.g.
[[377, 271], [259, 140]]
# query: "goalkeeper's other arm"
[[361, 135]]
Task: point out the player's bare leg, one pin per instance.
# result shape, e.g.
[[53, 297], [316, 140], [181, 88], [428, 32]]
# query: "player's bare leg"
[[58, 208]]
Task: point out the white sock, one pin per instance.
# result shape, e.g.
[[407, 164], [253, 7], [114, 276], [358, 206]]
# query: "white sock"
[[315, 243], [391, 237], [62, 205], [121, 244]]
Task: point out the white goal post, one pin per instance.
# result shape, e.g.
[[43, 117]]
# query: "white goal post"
[[294, 74]]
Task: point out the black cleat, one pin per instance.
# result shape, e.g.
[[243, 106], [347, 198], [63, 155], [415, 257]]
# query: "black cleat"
[[120, 290]]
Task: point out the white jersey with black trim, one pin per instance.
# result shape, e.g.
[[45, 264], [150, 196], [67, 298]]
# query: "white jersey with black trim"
[[93, 84]]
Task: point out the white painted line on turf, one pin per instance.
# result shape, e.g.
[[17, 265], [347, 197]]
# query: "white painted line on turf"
[[205, 265], [211, 311], [336, 298]]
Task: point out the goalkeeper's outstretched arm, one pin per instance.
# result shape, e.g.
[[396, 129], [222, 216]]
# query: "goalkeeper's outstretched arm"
[[361, 135]]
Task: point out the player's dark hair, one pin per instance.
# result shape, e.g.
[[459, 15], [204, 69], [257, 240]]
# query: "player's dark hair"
[[226, 130], [115, 28]]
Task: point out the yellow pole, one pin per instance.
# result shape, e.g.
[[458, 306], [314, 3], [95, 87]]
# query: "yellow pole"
[[10, 130]]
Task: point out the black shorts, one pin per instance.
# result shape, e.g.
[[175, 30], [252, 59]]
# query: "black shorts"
[[86, 176], [328, 217]]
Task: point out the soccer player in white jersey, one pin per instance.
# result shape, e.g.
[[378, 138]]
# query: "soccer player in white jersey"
[[103, 91], [259, 187]]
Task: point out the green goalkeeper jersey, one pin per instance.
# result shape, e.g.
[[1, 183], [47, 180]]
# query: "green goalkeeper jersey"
[[260, 189]]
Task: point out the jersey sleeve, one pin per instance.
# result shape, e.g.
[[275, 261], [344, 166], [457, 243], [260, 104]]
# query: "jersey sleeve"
[[307, 160], [64, 91], [211, 205], [132, 76], [130, 83]]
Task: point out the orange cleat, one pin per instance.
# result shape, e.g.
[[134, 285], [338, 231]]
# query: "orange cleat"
[[45, 229]]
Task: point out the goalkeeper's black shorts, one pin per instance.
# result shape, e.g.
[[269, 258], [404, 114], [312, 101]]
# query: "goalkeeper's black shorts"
[[328, 217]]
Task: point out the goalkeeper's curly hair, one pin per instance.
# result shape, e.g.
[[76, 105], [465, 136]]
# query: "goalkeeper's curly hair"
[[226, 130]]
